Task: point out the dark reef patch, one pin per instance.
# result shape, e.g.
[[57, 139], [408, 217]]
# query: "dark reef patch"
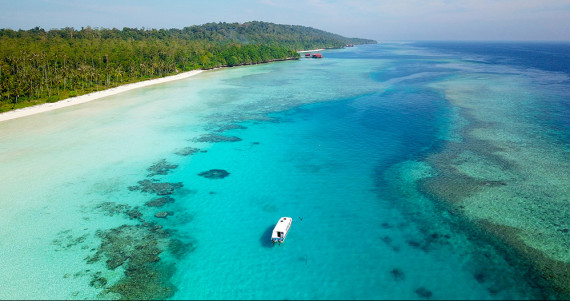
[[160, 168], [147, 251], [156, 187], [97, 281], [159, 202], [386, 239], [179, 249], [112, 208], [187, 151], [432, 240], [549, 274], [214, 174], [217, 138], [231, 127], [65, 240], [397, 274], [449, 187], [162, 214], [134, 213], [137, 249], [422, 292], [480, 277]]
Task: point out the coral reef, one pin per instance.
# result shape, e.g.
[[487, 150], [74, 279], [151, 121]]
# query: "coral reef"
[[160, 168], [137, 249], [187, 151], [134, 213], [112, 208], [66, 240], [162, 214], [231, 127], [156, 187], [218, 138], [159, 202]]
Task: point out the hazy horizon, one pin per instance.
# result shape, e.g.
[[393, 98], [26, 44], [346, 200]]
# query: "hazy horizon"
[[408, 20]]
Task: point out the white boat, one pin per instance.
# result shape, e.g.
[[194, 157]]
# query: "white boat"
[[281, 229]]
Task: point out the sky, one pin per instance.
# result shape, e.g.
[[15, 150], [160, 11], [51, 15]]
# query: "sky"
[[382, 20]]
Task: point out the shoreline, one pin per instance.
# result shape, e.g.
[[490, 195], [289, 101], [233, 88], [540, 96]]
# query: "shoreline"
[[45, 107], [313, 50]]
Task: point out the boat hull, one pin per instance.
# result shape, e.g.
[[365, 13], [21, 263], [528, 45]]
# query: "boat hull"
[[281, 229]]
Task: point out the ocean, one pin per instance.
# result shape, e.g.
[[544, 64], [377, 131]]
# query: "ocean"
[[412, 170]]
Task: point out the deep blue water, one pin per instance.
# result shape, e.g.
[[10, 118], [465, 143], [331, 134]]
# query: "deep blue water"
[[547, 56], [348, 166], [540, 56]]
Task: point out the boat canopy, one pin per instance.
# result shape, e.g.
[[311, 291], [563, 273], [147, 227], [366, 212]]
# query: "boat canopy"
[[281, 229]]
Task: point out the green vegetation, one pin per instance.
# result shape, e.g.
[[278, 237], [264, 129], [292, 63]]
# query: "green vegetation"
[[38, 66]]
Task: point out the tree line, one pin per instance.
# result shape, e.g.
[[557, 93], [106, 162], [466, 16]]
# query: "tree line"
[[38, 66]]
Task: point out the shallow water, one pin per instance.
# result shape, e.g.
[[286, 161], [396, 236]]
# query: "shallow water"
[[390, 158]]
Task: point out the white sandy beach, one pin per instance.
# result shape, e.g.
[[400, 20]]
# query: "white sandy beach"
[[313, 50], [91, 96]]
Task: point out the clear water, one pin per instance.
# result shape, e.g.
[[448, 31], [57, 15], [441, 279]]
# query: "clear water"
[[354, 147]]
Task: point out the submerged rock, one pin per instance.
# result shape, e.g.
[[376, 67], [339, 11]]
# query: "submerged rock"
[[214, 174], [187, 151], [157, 187], [218, 138], [480, 277], [160, 168], [159, 202], [386, 239], [397, 274], [423, 292], [161, 214]]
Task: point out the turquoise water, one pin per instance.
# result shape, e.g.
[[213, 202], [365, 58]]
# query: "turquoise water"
[[347, 146]]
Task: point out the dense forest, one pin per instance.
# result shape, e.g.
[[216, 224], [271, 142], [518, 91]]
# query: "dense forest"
[[38, 66]]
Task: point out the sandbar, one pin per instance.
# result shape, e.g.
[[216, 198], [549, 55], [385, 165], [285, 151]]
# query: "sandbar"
[[91, 96]]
